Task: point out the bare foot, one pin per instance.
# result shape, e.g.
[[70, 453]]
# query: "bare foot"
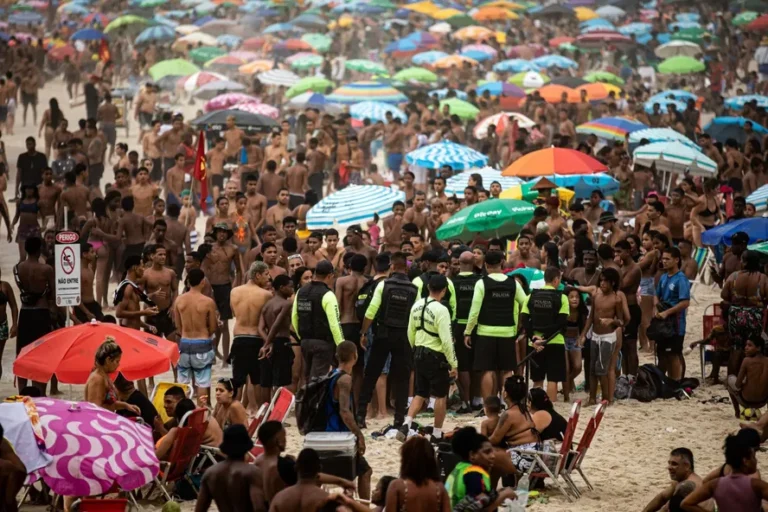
[[381, 416], [591, 402]]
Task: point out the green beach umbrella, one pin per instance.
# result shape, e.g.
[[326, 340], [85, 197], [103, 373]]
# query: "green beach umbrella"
[[693, 34], [461, 108], [205, 53], [461, 21], [489, 219], [307, 62], [310, 83], [604, 76], [529, 79], [759, 247], [745, 18], [681, 65], [320, 42], [126, 21], [365, 66], [151, 3], [22, 7], [415, 74], [172, 67]]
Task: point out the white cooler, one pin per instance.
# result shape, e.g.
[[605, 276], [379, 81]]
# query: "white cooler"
[[337, 452]]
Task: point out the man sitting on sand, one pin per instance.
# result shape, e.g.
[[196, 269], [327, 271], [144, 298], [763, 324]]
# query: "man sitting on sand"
[[234, 484], [749, 389], [680, 467]]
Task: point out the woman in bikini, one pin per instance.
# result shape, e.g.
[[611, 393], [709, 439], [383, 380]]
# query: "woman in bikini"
[[707, 212], [99, 388], [648, 263], [27, 217], [745, 293], [419, 488], [228, 410], [52, 117], [100, 230], [516, 429]]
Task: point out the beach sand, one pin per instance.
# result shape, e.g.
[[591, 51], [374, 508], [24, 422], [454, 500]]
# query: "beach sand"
[[627, 461]]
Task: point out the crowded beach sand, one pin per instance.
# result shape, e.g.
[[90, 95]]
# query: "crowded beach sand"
[[628, 459]]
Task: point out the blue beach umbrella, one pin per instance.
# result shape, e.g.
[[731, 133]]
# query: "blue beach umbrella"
[[759, 198], [738, 102], [155, 34], [585, 184], [229, 40], [645, 38], [692, 17], [355, 204], [726, 127], [755, 227], [375, 111], [648, 105], [661, 135], [673, 94], [682, 25], [477, 55], [429, 57], [87, 34], [281, 27], [442, 153], [515, 66], [443, 93], [555, 61], [635, 28], [72, 8], [456, 184], [25, 18]]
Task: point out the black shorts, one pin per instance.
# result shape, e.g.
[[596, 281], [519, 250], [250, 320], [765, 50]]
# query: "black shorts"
[[632, 327], [34, 323], [163, 322], [95, 173], [465, 356], [351, 333], [294, 201], [551, 364], [217, 180], [132, 250], [93, 307], [673, 345], [431, 376], [221, 294], [244, 357], [494, 354], [156, 173], [277, 370], [28, 98]]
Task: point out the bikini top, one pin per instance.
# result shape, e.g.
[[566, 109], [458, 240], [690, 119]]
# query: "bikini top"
[[752, 298], [531, 426], [708, 212], [29, 207]]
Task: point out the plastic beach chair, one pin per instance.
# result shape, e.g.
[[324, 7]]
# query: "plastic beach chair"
[[712, 317], [198, 421], [540, 468], [179, 464], [279, 408], [106, 505], [577, 457], [158, 395]]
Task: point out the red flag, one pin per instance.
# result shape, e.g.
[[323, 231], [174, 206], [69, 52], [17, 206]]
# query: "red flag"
[[201, 169], [104, 54]]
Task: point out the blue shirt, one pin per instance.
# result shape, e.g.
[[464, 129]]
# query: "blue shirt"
[[673, 290]]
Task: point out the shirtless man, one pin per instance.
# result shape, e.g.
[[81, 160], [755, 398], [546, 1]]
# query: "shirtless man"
[[88, 309], [393, 228], [648, 264], [49, 194], [680, 468], [609, 313], [275, 152], [347, 288], [331, 251], [611, 232], [394, 139], [107, 114], [270, 256], [355, 245], [233, 137], [270, 183], [558, 226], [749, 387], [144, 193], [676, 215], [178, 234], [217, 265], [195, 318], [132, 229], [311, 253], [655, 220], [689, 266], [316, 163], [158, 208], [523, 254], [145, 106], [592, 209], [95, 151], [418, 212], [566, 127], [296, 179], [588, 275], [74, 198], [123, 182], [256, 204], [278, 212], [281, 356], [630, 274], [161, 284], [129, 297], [307, 493], [235, 485], [216, 158], [151, 151], [221, 215], [174, 181], [168, 143]]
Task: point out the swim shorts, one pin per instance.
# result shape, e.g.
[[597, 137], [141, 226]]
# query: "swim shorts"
[[277, 370], [351, 332], [221, 294], [394, 161], [196, 361], [244, 358], [603, 346], [647, 287], [93, 307], [163, 322]]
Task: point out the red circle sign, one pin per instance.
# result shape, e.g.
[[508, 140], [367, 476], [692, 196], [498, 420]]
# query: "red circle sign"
[[67, 237], [67, 262]]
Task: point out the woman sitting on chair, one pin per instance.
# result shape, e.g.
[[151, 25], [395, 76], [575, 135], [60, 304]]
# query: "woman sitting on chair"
[[212, 437], [99, 389], [228, 410]]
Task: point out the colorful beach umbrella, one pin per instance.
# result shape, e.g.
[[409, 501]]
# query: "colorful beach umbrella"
[[124, 22], [584, 184], [489, 219], [375, 111], [756, 229], [316, 100], [661, 135], [457, 156], [366, 91], [456, 184], [678, 48], [738, 102], [515, 66], [675, 157], [429, 57], [529, 80], [414, 74], [311, 83], [501, 89], [278, 77], [228, 100], [501, 121], [174, 67], [760, 199], [355, 204], [727, 127], [549, 161], [604, 76], [612, 128], [155, 34], [306, 61], [366, 66], [258, 108], [203, 54]]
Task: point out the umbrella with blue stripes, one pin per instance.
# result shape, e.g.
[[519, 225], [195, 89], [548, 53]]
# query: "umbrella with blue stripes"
[[675, 157], [375, 111], [585, 184], [635, 28], [445, 152], [156, 34], [354, 204], [429, 57], [554, 61], [456, 184], [357, 92], [515, 66], [738, 102], [663, 102], [759, 198], [661, 135]]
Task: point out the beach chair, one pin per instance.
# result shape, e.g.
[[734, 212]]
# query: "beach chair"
[[279, 408], [158, 395], [179, 464], [106, 505], [198, 420], [713, 316], [578, 454], [555, 469]]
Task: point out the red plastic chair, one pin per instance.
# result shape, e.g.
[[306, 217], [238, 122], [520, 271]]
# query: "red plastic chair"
[[185, 449], [584, 443], [107, 505], [541, 470], [279, 408]]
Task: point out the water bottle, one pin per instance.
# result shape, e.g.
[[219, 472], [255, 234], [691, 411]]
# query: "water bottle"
[[522, 496]]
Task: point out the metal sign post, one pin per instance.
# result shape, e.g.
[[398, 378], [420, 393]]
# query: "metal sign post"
[[67, 271]]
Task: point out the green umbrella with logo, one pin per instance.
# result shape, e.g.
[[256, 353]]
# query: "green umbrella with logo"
[[203, 54], [493, 218], [745, 18]]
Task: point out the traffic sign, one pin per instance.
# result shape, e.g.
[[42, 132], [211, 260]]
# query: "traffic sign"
[[67, 255]]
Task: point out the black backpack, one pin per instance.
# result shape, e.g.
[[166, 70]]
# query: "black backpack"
[[364, 297], [311, 400], [652, 384]]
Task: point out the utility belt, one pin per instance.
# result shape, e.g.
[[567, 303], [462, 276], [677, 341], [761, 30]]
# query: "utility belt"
[[424, 354]]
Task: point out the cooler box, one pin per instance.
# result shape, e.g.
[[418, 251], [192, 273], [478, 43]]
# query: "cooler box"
[[337, 452]]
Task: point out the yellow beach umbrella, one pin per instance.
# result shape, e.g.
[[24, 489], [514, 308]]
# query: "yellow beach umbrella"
[[494, 14], [256, 66], [585, 13], [501, 37], [427, 8], [505, 4], [453, 60], [474, 32], [444, 14], [524, 192]]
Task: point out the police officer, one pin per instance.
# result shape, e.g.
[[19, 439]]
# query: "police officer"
[[315, 318], [431, 259], [544, 317], [464, 283], [389, 307], [429, 332], [496, 303]]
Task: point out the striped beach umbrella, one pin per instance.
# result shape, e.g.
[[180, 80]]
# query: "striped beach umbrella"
[[354, 204], [366, 91], [613, 128], [738, 102], [257, 66], [316, 100], [428, 58], [515, 66], [366, 66], [661, 135], [458, 182], [501, 120], [449, 153], [156, 34], [759, 198], [375, 111], [675, 157], [278, 77], [258, 108]]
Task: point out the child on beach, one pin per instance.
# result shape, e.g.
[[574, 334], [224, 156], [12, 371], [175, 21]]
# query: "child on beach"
[[748, 388], [718, 339], [379, 495], [492, 408], [188, 215]]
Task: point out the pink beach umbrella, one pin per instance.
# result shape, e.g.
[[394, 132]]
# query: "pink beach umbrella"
[[300, 55], [259, 108], [93, 449], [199, 79], [230, 99], [243, 55]]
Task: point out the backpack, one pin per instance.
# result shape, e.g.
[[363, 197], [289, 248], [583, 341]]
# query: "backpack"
[[311, 415], [623, 388], [644, 389], [652, 383], [364, 297]]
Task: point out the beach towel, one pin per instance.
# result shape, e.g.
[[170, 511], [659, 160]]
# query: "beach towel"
[[17, 426]]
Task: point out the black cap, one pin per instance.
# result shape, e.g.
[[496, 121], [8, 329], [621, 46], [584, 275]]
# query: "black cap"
[[740, 238]]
